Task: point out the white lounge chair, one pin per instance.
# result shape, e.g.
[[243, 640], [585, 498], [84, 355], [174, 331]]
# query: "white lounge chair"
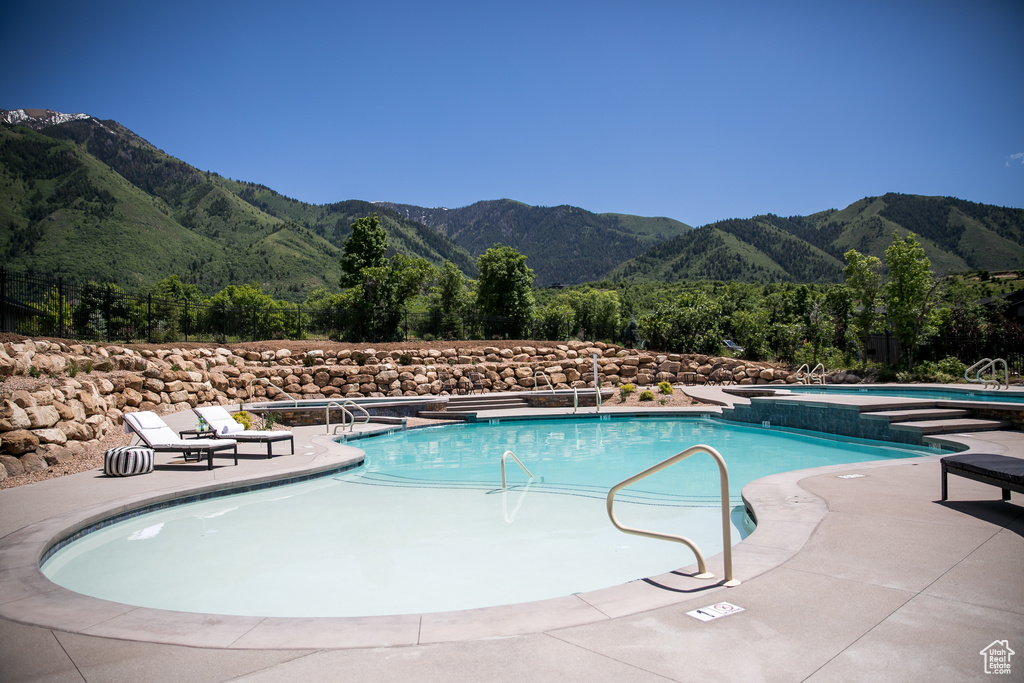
[[155, 433], [221, 421]]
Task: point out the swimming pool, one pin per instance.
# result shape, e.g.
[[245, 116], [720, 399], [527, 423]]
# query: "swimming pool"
[[946, 393], [425, 527]]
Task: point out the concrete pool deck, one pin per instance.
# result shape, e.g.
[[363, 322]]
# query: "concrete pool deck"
[[846, 578]]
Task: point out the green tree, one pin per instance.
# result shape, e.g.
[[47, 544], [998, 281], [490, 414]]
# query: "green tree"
[[505, 290], [366, 247], [908, 294], [451, 301], [752, 329], [690, 325], [864, 280], [382, 292]]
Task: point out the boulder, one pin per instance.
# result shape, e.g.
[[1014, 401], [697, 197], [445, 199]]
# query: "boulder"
[[42, 417], [12, 466], [19, 442], [51, 435], [33, 462], [13, 416]]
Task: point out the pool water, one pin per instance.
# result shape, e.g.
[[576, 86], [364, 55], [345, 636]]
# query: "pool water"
[[424, 526]]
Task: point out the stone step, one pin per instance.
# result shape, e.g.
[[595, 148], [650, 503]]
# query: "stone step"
[[915, 415], [951, 426]]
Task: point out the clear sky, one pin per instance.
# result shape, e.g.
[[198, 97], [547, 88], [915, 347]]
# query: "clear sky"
[[699, 111]]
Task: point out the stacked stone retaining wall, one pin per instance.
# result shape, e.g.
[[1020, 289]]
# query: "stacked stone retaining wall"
[[83, 390]]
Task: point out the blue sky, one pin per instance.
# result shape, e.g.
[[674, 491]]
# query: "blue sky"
[[697, 111]]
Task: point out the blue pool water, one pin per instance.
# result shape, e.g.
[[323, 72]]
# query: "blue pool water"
[[424, 526], [975, 393]]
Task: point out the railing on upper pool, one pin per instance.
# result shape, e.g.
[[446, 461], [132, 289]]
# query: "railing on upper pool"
[[985, 365], [345, 413]]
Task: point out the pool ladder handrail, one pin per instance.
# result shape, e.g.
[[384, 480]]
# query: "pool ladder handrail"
[[540, 371], [984, 365], [809, 377], [520, 462], [256, 380], [726, 527], [345, 413]]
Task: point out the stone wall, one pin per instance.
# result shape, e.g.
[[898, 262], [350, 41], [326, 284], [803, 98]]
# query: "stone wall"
[[83, 390]]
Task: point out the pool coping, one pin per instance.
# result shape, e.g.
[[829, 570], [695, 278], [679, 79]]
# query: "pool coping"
[[787, 516]]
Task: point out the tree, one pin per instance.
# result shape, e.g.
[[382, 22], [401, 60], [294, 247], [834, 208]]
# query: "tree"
[[366, 247], [690, 325], [908, 293], [864, 280], [452, 300], [505, 289]]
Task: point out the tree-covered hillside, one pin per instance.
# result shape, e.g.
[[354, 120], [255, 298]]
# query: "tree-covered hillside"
[[92, 200], [564, 244], [957, 236]]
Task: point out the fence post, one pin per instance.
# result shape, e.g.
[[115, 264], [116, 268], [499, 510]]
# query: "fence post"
[[3, 299], [109, 294], [60, 307]]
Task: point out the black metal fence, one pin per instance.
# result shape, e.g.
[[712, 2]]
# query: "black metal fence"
[[42, 306]]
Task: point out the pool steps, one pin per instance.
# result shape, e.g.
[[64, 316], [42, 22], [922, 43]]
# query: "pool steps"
[[888, 418], [460, 406]]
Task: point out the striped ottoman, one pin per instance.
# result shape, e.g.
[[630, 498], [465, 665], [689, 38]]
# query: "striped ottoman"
[[127, 461]]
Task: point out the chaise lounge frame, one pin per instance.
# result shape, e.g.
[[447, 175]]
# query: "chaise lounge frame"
[[218, 416], [162, 439], [1003, 471]]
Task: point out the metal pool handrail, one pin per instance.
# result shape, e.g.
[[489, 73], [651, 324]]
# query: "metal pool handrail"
[[505, 455], [726, 529], [547, 379], [344, 412], [805, 375], [984, 365]]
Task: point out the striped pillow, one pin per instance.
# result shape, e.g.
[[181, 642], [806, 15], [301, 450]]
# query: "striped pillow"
[[126, 461]]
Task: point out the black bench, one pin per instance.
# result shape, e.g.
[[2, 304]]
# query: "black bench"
[[1003, 471]]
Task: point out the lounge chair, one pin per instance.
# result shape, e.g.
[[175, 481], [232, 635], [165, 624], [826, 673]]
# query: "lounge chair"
[[1003, 471], [225, 426], [155, 433]]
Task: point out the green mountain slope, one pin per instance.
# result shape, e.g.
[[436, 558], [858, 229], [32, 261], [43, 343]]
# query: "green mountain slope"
[[333, 221], [563, 244], [957, 236], [92, 200]]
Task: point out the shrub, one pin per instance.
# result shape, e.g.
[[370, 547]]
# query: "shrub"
[[175, 367], [405, 359], [359, 357], [647, 395], [665, 388], [307, 360], [243, 418], [626, 389], [72, 367], [270, 419], [33, 372], [87, 366]]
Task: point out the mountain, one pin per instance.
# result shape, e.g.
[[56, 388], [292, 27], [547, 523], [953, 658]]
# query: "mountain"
[[92, 200], [957, 235], [562, 244]]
